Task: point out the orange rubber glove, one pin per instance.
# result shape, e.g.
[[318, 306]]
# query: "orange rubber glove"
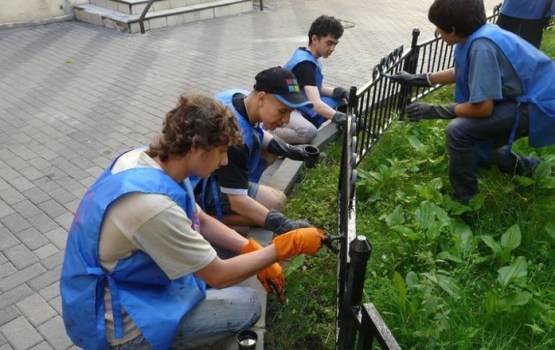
[[271, 277], [299, 241]]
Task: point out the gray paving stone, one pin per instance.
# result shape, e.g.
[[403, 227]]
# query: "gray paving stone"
[[8, 314], [21, 334], [45, 279], [16, 163], [21, 184], [15, 280], [5, 209], [31, 173], [7, 239], [58, 237], [46, 251], [50, 292], [20, 256], [3, 183], [36, 310], [56, 304], [36, 195], [42, 346], [6, 269], [3, 341], [52, 208], [39, 163], [15, 222], [43, 222], [32, 238], [54, 332], [8, 173], [62, 195], [53, 260], [14, 295], [10, 195], [26, 208]]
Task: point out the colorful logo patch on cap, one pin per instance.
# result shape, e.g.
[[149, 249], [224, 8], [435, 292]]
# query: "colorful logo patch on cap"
[[292, 85]]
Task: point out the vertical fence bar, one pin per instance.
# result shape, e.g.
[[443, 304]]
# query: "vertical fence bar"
[[411, 60], [359, 252]]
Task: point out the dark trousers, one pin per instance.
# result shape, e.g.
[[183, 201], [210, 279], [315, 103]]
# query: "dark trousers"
[[530, 30], [474, 142]]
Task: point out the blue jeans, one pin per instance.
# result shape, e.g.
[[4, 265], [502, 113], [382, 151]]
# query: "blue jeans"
[[224, 312], [474, 142]]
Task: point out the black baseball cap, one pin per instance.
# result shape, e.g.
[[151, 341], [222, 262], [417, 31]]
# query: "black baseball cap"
[[283, 85]]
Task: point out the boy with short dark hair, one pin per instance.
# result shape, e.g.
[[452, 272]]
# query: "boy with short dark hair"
[[323, 37], [504, 91]]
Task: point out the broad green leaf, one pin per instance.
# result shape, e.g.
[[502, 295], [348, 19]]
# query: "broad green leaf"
[[535, 328], [401, 288], [456, 208], [427, 213], [550, 229], [490, 242], [411, 279], [449, 256], [405, 231], [511, 238], [396, 217], [544, 178], [434, 230], [524, 181], [448, 284], [491, 303], [477, 201], [512, 300], [436, 183], [517, 269], [294, 264], [416, 144]]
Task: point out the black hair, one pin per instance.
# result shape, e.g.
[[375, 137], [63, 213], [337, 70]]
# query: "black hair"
[[463, 17], [325, 25]]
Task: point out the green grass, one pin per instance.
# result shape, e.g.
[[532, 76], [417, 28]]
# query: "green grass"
[[443, 275]]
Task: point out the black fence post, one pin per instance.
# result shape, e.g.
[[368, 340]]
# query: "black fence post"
[[359, 252], [409, 66]]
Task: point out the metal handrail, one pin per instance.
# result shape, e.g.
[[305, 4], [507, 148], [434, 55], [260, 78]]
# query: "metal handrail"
[[143, 15]]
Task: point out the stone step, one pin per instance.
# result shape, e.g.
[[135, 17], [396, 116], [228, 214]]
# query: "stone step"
[[101, 14]]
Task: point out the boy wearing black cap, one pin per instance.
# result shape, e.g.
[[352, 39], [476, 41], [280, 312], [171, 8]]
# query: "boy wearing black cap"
[[232, 193]]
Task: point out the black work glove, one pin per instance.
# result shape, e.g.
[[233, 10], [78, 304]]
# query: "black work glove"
[[411, 79], [339, 93], [300, 152], [420, 110], [279, 223], [339, 118]]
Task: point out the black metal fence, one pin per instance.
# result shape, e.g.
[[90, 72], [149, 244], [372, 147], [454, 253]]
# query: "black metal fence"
[[372, 109], [380, 100]]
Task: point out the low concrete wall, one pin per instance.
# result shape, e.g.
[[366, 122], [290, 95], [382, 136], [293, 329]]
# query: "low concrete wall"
[[28, 12]]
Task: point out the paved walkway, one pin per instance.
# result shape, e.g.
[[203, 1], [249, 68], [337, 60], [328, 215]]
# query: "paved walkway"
[[72, 96]]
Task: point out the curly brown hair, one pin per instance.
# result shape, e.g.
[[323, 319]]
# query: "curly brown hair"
[[197, 119]]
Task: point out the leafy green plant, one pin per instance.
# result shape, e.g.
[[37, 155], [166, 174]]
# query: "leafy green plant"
[[502, 250]]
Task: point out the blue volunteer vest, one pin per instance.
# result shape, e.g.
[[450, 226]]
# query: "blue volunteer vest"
[[255, 163], [302, 55], [248, 131], [535, 71], [154, 302], [528, 9]]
